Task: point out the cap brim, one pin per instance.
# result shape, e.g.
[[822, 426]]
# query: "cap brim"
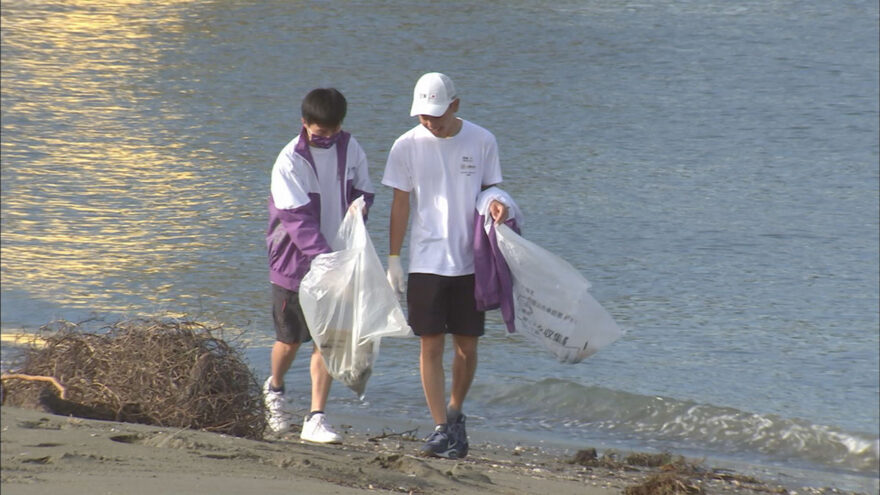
[[428, 109]]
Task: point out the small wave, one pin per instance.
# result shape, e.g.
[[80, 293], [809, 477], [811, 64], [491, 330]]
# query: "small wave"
[[689, 424]]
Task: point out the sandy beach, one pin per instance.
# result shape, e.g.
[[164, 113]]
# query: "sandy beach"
[[46, 453]]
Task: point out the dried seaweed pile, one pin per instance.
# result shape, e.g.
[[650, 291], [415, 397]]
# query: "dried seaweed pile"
[[674, 474], [160, 372]]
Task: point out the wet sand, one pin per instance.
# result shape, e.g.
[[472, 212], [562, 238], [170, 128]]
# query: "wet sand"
[[45, 453]]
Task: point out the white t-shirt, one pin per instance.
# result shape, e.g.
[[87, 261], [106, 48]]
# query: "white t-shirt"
[[293, 179], [444, 177]]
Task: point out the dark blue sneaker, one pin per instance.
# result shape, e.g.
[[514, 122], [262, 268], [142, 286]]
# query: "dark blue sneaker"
[[440, 444], [459, 434]]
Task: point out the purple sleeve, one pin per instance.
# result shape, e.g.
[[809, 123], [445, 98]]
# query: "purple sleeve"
[[304, 227]]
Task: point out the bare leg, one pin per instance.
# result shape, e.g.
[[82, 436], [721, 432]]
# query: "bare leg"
[[281, 358], [433, 378], [321, 381], [464, 367]]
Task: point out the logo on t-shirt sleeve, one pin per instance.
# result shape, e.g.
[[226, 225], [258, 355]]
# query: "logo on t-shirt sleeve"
[[468, 167]]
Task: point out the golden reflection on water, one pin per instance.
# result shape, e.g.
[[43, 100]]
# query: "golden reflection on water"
[[96, 194]]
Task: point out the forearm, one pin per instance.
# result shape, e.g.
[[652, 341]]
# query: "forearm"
[[399, 221]]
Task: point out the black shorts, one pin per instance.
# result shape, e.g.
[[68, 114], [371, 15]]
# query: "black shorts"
[[290, 323], [439, 304]]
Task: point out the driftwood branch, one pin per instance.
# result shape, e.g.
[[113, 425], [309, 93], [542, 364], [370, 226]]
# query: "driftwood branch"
[[403, 434], [36, 378]]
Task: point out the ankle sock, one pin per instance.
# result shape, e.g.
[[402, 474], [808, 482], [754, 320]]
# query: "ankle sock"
[[452, 415]]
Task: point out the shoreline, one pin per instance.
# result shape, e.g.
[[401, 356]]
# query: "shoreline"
[[524, 452], [794, 479], [46, 453]]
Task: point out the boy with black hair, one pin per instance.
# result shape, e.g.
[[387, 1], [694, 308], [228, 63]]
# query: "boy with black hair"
[[315, 178]]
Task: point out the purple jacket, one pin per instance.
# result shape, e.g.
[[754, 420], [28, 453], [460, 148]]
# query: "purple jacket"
[[493, 286], [294, 236]]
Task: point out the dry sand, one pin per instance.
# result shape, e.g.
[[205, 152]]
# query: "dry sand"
[[44, 453]]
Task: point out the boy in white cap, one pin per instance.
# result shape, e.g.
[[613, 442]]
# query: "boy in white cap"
[[438, 169]]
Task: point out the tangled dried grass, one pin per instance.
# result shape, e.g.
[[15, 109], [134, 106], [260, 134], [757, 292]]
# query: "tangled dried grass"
[[160, 372], [673, 474], [665, 484]]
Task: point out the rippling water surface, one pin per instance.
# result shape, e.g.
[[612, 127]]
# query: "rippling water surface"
[[711, 167]]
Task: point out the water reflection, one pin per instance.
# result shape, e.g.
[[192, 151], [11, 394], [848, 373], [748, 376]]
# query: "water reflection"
[[94, 213]]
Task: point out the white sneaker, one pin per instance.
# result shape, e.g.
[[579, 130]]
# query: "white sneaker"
[[276, 418], [318, 430]]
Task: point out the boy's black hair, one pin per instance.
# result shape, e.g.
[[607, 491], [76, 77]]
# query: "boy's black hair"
[[324, 106]]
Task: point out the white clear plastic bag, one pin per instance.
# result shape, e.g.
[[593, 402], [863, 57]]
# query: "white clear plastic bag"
[[552, 303], [349, 305]]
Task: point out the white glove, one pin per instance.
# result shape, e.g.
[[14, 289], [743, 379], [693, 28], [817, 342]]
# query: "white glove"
[[395, 274]]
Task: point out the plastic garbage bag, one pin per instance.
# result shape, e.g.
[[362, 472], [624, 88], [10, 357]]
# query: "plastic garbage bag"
[[552, 303], [349, 305]]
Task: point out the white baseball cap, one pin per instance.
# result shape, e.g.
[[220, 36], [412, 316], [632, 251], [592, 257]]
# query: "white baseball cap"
[[433, 94]]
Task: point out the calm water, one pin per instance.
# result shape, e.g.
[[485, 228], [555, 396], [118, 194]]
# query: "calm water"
[[712, 168]]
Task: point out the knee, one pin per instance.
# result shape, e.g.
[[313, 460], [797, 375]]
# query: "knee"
[[432, 347], [466, 347], [285, 348]]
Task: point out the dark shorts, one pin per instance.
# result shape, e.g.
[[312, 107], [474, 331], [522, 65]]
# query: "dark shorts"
[[439, 304], [290, 324]]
